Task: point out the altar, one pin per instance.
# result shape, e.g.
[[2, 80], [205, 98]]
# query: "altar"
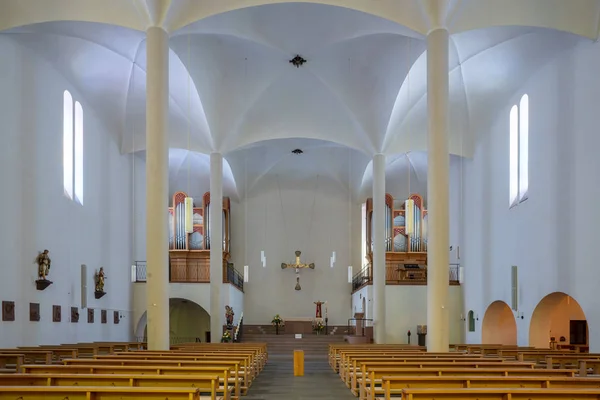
[[301, 325]]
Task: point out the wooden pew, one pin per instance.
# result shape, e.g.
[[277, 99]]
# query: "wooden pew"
[[208, 385], [224, 372], [237, 373], [32, 356], [248, 360], [9, 359], [260, 349], [351, 361], [335, 349], [500, 394], [366, 367], [392, 386], [371, 381], [96, 393]]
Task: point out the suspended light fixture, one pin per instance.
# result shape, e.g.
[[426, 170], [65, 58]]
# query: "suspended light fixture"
[[263, 259], [350, 276], [409, 216], [246, 274], [332, 260]]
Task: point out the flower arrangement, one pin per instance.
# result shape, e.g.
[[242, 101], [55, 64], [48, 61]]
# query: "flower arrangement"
[[226, 338], [318, 327], [277, 320]]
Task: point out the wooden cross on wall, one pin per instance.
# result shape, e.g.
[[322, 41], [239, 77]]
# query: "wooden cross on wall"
[[297, 266]]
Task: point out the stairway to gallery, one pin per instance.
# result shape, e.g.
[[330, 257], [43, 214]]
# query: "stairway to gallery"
[[277, 380]]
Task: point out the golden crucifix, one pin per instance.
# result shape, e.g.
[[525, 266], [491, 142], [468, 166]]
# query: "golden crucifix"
[[297, 266]]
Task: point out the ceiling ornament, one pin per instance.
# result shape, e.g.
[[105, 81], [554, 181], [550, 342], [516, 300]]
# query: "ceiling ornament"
[[297, 61]]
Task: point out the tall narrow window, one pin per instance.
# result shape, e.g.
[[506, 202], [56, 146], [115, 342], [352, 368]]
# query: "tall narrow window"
[[78, 153], [72, 148], [68, 144], [519, 152], [523, 147], [514, 155]]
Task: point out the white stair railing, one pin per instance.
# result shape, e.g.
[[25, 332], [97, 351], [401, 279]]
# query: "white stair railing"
[[237, 328]]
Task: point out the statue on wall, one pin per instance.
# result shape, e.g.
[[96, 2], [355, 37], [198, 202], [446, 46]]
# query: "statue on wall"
[[99, 278], [229, 316], [318, 313], [43, 261]]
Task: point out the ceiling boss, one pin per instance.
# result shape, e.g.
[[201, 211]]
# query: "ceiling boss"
[[298, 266]]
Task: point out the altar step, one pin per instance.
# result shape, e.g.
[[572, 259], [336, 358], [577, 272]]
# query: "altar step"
[[313, 345], [270, 330]]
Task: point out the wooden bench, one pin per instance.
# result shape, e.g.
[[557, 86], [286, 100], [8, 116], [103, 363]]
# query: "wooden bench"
[[224, 372], [366, 367], [392, 386], [11, 359], [371, 381], [237, 373], [32, 356], [208, 385], [96, 393], [500, 394]]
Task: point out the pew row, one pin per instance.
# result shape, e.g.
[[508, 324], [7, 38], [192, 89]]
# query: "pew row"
[[96, 393], [500, 394], [208, 385]]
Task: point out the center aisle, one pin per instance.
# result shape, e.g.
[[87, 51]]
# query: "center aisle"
[[277, 381]]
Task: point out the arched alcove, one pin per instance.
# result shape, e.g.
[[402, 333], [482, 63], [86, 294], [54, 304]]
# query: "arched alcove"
[[558, 316], [188, 322], [499, 326]]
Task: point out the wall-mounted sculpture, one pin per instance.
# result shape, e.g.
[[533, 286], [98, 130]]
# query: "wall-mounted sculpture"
[[43, 261], [56, 314], [74, 315], [99, 283], [8, 311], [34, 312]]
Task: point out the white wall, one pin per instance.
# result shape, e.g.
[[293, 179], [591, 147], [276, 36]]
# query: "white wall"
[[36, 215], [551, 237], [406, 307], [270, 290]]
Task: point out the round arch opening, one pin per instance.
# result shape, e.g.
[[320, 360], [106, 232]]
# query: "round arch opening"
[[499, 325], [558, 321], [188, 322]]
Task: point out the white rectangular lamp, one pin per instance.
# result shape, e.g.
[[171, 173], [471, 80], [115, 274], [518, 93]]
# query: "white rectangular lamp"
[[350, 276], [245, 274]]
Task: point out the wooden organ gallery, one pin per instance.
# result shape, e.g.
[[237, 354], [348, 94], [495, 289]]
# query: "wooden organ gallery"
[[405, 239], [189, 246]]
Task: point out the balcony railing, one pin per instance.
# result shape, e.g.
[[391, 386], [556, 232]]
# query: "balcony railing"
[[233, 276], [192, 271], [362, 278], [399, 274]]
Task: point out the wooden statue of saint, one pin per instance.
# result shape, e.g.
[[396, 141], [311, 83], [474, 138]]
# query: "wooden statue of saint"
[[318, 313]]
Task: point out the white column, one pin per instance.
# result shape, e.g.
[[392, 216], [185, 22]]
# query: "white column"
[[216, 246], [438, 334], [378, 233], [157, 188]]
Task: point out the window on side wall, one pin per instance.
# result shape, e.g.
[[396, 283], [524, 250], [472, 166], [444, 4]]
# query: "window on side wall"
[[519, 152], [72, 148]]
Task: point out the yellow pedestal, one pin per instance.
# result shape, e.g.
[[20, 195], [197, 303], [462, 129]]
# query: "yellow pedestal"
[[298, 362]]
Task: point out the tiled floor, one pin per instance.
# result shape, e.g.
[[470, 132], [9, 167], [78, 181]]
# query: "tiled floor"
[[277, 381]]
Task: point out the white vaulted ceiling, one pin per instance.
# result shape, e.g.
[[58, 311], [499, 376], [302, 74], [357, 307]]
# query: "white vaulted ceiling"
[[362, 91]]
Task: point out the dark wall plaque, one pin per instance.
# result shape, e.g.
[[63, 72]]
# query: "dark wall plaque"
[[103, 316], [116, 317], [74, 315], [8, 311], [90, 315], [56, 314], [34, 312]]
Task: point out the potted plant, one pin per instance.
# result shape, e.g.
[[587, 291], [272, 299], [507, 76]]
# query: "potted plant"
[[277, 322], [226, 338], [318, 327]]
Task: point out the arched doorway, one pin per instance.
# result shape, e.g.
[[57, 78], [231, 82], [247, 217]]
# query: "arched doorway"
[[499, 326], [188, 322], [558, 316]]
